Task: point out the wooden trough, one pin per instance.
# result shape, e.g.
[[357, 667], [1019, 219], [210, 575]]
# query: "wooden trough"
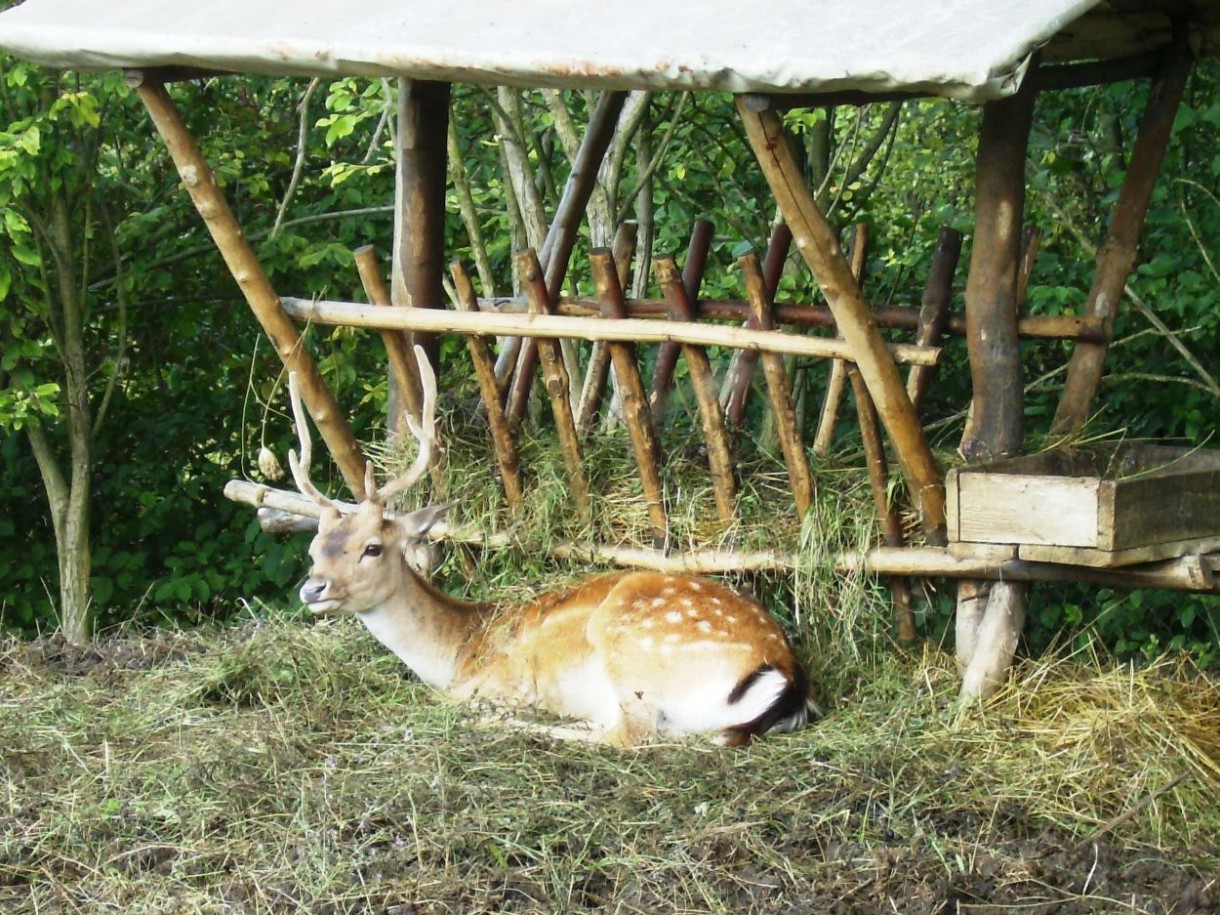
[[1001, 56]]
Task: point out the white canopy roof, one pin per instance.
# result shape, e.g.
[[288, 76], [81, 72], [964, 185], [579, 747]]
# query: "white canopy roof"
[[970, 49]]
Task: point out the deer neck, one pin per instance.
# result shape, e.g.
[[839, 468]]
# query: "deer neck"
[[425, 627]]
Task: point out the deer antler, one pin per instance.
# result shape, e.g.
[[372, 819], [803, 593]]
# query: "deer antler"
[[424, 432], [300, 467]]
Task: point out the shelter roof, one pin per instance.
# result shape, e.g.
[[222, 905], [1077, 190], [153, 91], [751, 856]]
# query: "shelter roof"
[[971, 49]]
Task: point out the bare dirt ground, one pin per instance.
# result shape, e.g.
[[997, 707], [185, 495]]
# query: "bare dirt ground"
[[286, 768]]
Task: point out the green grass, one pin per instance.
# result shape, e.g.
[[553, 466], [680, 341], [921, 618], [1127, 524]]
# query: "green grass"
[[287, 767]]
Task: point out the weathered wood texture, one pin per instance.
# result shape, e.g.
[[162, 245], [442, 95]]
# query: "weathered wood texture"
[[556, 251], [397, 344], [352, 314], [995, 426], [800, 481], [598, 371], [200, 183], [741, 370], [1116, 256], [421, 145], [692, 279], [832, 399], [555, 377], [934, 309], [634, 398], [817, 244], [720, 461], [485, 373], [1104, 507]]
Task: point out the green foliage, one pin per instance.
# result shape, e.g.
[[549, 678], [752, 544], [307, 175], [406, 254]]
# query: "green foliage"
[[195, 395]]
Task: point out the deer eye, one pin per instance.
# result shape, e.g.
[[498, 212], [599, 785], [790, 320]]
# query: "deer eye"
[[372, 549]]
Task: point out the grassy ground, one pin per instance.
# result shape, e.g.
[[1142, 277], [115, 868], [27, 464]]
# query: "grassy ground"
[[280, 766]]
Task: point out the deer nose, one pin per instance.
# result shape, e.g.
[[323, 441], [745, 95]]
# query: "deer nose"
[[313, 590]]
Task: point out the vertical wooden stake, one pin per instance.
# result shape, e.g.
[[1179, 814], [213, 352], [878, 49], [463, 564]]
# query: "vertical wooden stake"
[[485, 372], [555, 376], [799, 477], [633, 396], [598, 370], [421, 171], [720, 462], [667, 353], [817, 243], [200, 183], [397, 345], [835, 383], [878, 478], [561, 236], [934, 309], [987, 613], [741, 370]]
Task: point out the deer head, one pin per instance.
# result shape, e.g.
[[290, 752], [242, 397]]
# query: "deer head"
[[358, 555]]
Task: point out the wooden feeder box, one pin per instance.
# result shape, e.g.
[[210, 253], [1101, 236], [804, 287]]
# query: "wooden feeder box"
[[1104, 506]]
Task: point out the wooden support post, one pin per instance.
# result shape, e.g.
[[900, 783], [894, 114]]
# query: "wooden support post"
[[598, 370], [934, 308], [403, 370], [878, 478], [741, 371], [200, 183], [1116, 256], [556, 377], [799, 478], [667, 353], [485, 372], [996, 421], [990, 616], [817, 243], [720, 463], [421, 171], [561, 236], [835, 382], [634, 398]]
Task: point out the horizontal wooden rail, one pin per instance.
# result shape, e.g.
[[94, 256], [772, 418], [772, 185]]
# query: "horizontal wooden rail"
[[892, 317], [627, 330], [1191, 573]]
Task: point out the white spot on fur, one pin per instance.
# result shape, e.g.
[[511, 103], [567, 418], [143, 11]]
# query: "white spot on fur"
[[695, 586], [673, 616], [647, 623], [673, 637], [705, 626], [658, 602]]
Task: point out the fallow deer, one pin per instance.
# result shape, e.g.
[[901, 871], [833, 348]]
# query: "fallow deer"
[[630, 654]]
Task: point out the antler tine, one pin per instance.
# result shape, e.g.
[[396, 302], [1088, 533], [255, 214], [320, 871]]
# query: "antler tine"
[[424, 431], [300, 467]]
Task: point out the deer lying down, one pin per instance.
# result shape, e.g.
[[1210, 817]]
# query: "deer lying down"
[[629, 654]]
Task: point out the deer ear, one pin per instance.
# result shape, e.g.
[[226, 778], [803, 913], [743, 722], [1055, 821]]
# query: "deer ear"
[[415, 525]]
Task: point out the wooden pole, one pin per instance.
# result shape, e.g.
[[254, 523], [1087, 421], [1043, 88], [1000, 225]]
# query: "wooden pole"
[[636, 413], [1116, 256], [397, 345], [799, 479], [741, 370], [990, 616], [421, 171], [239, 257], [485, 373], [934, 308], [598, 371], [556, 249], [638, 330], [829, 416], [692, 279], [555, 375], [720, 462], [817, 243], [996, 423]]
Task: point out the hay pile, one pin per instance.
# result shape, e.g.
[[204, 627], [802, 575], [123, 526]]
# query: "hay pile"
[[282, 767]]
